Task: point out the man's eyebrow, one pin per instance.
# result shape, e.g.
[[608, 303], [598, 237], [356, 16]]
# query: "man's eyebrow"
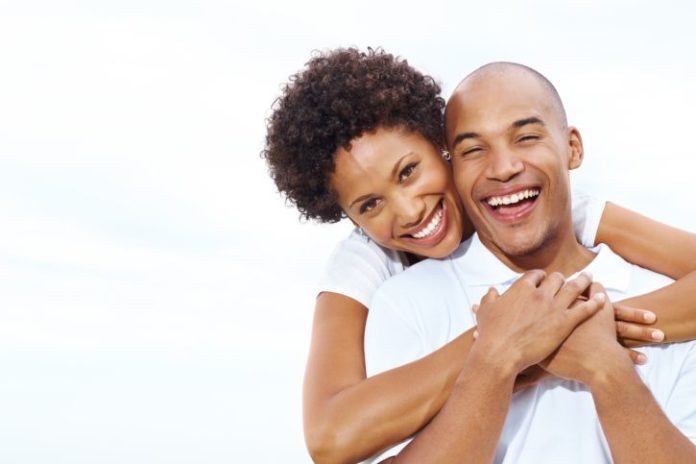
[[530, 120], [463, 136]]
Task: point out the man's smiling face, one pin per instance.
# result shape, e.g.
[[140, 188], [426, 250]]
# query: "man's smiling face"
[[511, 152]]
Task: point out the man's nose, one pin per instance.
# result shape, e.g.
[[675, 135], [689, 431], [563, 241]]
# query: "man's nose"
[[503, 165]]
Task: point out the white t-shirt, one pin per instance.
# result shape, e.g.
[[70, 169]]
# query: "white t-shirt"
[[420, 310], [358, 266]]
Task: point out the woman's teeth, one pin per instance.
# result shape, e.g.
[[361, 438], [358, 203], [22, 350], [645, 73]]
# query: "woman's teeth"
[[431, 227], [512, 199]]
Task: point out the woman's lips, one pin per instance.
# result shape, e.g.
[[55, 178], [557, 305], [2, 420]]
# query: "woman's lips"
[[438, 222]]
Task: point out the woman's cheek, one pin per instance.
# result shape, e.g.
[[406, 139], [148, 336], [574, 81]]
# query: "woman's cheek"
[[378, 230]]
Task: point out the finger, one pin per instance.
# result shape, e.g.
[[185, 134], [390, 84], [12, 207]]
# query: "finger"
[[552, 283], [534, 278], [639, 332], [573, 289], [490, 296], [474, 308], [596, 287], [630, 314], [582, 311], [637, 357]]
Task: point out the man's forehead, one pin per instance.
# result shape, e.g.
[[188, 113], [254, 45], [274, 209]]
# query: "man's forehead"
[[498, 101]]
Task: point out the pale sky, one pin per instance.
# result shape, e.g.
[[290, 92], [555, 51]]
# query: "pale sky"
[[155, 293]]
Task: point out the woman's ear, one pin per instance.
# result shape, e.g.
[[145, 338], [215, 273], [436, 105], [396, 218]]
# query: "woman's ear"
[[576, 150]]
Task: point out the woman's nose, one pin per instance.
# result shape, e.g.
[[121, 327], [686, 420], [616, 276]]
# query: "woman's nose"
[[410, 211]]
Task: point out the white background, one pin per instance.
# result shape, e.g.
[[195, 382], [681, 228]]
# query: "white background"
[[155, 293]]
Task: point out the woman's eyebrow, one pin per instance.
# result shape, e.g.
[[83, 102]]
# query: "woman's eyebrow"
[[395, 169], [359, 199]]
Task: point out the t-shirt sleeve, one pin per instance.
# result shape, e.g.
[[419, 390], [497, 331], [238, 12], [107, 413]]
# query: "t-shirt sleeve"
[[587, 213], [391, 340], [681, 407], [358, 266]]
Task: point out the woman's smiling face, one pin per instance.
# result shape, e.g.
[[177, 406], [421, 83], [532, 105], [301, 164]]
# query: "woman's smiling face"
[[394, 184]]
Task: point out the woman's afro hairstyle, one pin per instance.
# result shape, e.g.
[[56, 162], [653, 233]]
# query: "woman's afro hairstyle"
[[340, 95]]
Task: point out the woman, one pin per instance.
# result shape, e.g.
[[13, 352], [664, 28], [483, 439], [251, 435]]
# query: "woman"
[[348, 100]]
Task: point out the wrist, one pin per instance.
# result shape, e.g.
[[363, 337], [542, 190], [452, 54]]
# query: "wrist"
[[496, 366], [610, 371]]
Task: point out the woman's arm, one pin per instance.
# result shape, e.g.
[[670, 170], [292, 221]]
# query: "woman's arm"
[[662, 249], [347, 417], [675, 307], [648, 243]]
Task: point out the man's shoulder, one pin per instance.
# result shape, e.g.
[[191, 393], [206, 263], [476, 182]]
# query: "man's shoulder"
[[423, 277], [430, 273], [618, 275], [429, 283]]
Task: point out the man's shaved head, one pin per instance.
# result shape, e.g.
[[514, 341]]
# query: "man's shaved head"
[[501, 68], [511, 151]]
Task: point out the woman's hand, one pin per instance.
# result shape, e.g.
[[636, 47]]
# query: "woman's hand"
[[635, 326]]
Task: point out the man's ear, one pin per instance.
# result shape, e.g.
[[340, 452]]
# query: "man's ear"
[[576, 150]]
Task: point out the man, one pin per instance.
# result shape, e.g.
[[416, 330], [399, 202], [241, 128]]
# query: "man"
[[511, 152]]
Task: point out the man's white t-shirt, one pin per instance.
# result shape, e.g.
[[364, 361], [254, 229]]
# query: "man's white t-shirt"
[[420, 310], [358, 266]]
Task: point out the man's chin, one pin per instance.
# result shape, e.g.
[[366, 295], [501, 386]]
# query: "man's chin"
[[519, 245]]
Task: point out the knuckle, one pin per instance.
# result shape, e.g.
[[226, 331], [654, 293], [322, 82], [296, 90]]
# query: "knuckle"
[[538, 295]]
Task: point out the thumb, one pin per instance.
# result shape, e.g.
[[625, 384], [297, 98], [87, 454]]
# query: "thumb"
[[490, 296]]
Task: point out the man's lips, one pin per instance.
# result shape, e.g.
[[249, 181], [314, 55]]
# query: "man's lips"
[[512, 204]]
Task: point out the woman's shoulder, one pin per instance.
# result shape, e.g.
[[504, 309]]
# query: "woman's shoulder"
[[359, 246], [358, 266]]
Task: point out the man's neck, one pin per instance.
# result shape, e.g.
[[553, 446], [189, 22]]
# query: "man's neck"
[[563, 254]]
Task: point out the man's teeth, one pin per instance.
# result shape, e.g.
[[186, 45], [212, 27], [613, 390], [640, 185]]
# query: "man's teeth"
[[431, 227], [512, 199]]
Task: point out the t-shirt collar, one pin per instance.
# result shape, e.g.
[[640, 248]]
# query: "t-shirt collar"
[[480, 267]]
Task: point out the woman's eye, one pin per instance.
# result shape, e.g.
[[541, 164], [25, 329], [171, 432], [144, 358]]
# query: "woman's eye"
[[368, 205], [407, 171]]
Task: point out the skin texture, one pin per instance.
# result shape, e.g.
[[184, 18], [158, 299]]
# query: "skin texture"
[[394, 183], [586, 351], [516, 147]]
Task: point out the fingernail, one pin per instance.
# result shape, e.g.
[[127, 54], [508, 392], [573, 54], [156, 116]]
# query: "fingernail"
[[641, 358], [657, 335], [588, 274], [649, 317]]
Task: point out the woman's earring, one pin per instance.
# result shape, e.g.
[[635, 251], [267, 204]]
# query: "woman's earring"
[[446, 155]]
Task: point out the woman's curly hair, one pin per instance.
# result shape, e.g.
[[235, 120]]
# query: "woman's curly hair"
[[341, 95]]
